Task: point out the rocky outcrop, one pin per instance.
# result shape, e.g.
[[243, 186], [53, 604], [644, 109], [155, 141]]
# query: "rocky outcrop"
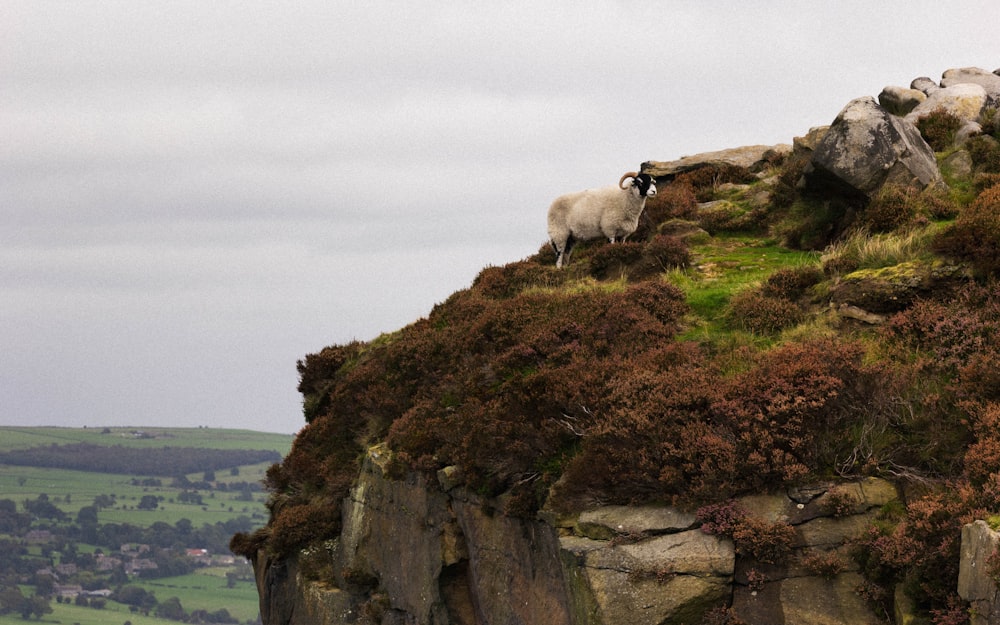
[[415, 551], [899, 100], [975, 582], [989, 81], [891, 289], [751, 157], [867, 147]]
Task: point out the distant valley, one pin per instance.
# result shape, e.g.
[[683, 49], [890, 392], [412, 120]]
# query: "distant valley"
[[95, 521]]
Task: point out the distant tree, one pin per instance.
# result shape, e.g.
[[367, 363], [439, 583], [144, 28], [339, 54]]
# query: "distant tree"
[[149, 502], [81, 600], [87, 515], [104, 501], [171, 609], [234, 471], [209, 476], [11, 599], [37, 606]]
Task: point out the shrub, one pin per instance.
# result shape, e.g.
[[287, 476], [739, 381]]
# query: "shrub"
[[938, 128], [752, 311], [826, 564], [726, 216], [673, 200], [764, 541], [891, 208], [975, 235], [609, 261], [511, 279], [792, 282], [985, 153], [935, 203], [706, 179], [667, 252], [721, 616]]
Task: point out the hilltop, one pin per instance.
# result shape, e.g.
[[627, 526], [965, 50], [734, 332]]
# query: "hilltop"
[[786, 318]]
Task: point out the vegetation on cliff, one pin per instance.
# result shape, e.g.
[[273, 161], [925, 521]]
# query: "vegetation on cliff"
[[716, 354]]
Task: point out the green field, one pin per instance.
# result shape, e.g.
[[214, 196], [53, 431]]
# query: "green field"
[[70, 490], [19, 483], [26, 437], [206, 591]]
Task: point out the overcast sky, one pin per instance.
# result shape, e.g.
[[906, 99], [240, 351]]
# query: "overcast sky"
[[194, 195]]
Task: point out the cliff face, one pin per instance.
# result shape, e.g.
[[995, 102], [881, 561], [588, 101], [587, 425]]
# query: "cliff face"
[[418, 552], [700, 364]]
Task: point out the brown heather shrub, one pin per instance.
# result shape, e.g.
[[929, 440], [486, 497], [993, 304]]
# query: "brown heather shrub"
[[826, 564], [938, 128], [721, 616], [982, 459], [891, 208], [921, 550], [984, 181], [985, 153], [725, 216], [936, 204], [673, 200], [509, 280], [706, 179], [665, 252], [792, 282], [753, 311], [766, 542], [975, 235], [611, 260]]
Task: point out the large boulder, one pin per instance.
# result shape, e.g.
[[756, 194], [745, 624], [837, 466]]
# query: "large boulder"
[[900, 100], [751, 157], [924, 84], [867, 147], [975, 584], [673, 578], [965, 101], [891, 289], [989, 81]]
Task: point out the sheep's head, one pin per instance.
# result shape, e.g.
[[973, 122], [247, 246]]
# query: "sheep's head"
[[643, 183]]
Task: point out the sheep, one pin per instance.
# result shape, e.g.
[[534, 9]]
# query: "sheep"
[[609, 212]]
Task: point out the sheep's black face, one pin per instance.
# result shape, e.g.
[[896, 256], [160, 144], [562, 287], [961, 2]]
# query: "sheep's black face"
[[644, 183]]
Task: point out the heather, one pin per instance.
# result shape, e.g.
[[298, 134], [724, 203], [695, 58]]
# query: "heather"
[[697, 363]]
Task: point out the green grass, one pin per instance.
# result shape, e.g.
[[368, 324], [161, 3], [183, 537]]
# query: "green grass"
[[201, 438], [728, 264], [203, 590], [72, 490], [206, 589], [20, 483], [113, 614]]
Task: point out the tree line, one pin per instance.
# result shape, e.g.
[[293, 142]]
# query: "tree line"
[[163, 461]]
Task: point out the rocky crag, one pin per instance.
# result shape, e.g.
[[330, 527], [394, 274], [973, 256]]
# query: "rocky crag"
[[420, 548]]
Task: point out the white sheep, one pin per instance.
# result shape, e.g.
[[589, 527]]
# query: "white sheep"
[[608, 212]]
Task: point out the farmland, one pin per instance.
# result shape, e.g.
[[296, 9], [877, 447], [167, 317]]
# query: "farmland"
[[76, 523]]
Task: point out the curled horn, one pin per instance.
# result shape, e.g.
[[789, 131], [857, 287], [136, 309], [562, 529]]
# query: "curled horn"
[[630, 174]]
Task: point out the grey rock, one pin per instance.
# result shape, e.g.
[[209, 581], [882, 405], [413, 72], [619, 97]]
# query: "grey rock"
[[975, 584], [990, 82], [608, 521], [964, 100], [924, 84], [751, 157], [867, 147], [900, 100]]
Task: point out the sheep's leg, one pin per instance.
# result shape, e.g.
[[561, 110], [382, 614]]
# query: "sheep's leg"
[[562, 257]]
